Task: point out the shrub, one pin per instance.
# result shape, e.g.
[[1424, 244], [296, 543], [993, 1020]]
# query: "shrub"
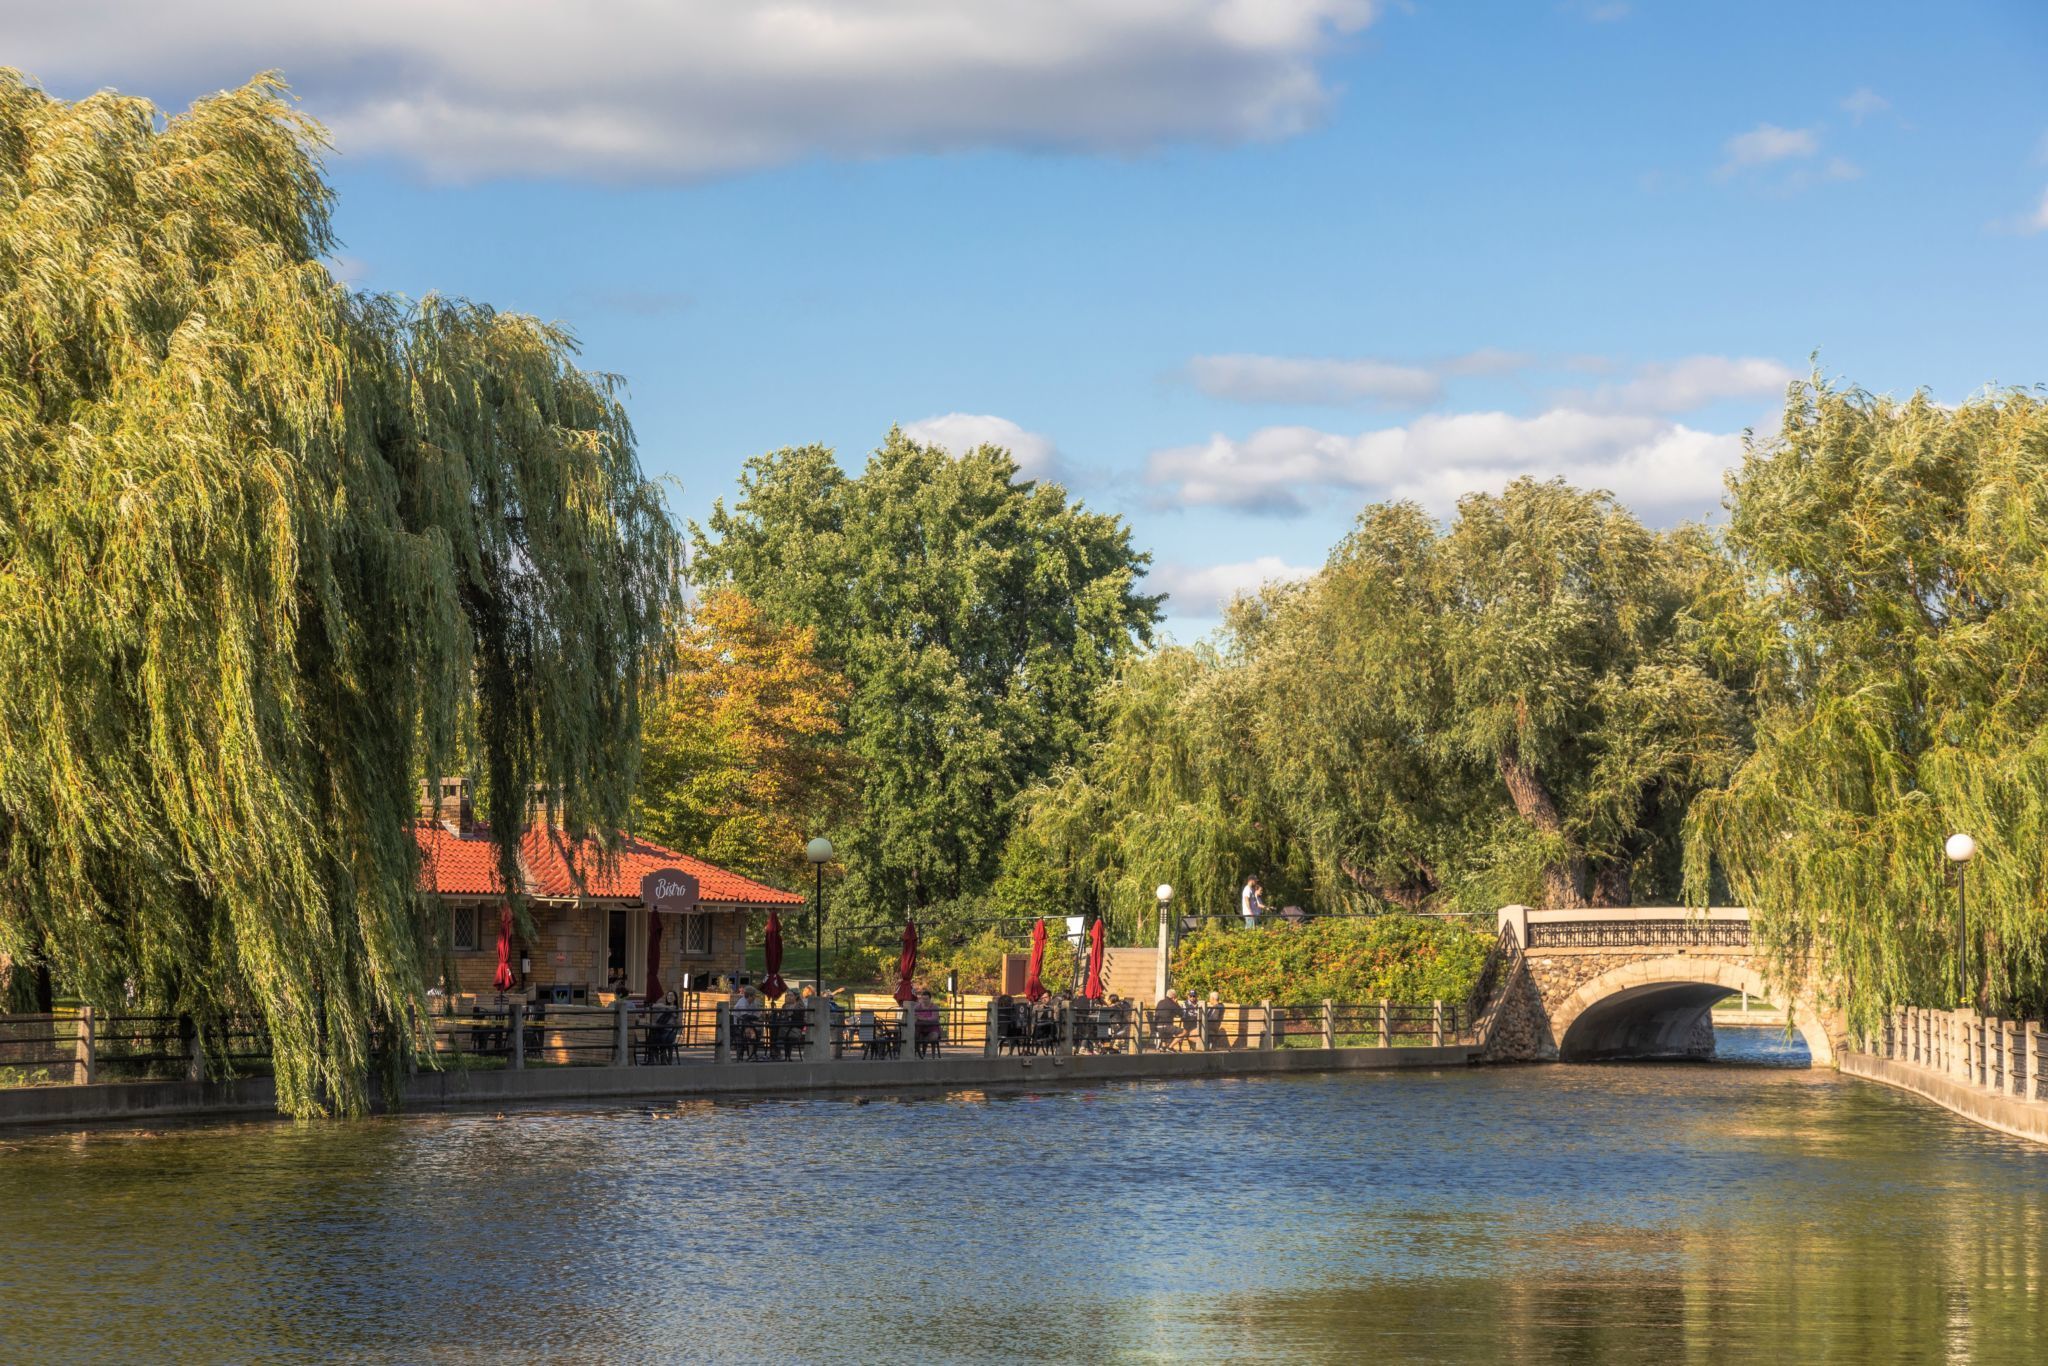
[[1392, 957]]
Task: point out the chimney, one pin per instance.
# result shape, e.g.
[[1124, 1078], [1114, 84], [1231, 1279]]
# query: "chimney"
[[447, 800]]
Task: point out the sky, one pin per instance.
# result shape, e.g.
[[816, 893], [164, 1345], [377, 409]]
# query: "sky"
[[1230, 269]]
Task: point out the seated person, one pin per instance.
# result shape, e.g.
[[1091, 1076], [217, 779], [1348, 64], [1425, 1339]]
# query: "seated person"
[[929, 1029], [1167, 1020], [615, 980]]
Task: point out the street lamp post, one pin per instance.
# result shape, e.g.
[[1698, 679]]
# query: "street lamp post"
[[819, 852], [1159, 978], [1960, 850]]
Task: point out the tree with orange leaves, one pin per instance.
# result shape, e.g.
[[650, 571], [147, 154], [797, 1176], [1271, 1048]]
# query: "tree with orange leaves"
[[743, 753]]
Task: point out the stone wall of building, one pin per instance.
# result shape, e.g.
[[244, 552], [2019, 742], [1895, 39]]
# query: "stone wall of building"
[[568, 944]]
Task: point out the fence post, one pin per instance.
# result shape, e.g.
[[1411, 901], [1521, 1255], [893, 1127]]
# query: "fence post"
[[622, 1036], [909, 1027], [515, 1025], [1266, 1039], [1386, 1032], [821, 1028], [2037, 1060], [1066, 1028], [1436, 1024], [721, 1032], [195, 1049], [84, 1052], [1329, 1024]]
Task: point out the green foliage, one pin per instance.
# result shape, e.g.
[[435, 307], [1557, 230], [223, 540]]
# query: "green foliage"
[[974, 614], [1509, 709], [1889, 604], [270, 551], [1401, 958]]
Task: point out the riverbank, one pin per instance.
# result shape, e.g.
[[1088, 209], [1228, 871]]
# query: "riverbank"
[[123, 1102], [2007, 1114]]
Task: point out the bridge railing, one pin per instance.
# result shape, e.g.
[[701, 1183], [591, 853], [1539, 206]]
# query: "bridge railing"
[[1497, 979], [2009, 1057], [1672, 932]]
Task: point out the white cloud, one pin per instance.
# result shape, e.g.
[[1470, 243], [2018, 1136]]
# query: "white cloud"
[[1204, 590], [1767, 143], [1863, 102], [1316, 379], [628, 90], [2039, 221], [1681, 386], [1291, 379], [1035, 453], [1651, 463]]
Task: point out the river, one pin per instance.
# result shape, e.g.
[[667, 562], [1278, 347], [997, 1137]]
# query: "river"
[[1704, 1212]]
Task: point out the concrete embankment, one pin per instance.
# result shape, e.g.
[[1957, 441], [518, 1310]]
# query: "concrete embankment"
[[2007, 1114], [81, 1106]]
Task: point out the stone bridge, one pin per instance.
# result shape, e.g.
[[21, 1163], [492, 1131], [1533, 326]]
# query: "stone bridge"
[[1640, 982]]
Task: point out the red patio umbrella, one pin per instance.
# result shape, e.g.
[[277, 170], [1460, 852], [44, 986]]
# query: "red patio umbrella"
[[504, 979], [906, 965], [653, 957], [771, 950], [1034, 990], [1092, 989]]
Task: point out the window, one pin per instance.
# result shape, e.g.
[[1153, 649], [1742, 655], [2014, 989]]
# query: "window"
[[697, 936], [465, 934]]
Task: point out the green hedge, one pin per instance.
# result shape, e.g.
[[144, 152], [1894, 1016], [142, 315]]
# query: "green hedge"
[[1391, 957]]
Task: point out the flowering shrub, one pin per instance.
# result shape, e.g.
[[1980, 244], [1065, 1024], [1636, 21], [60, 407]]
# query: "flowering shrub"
[[1392, 957]]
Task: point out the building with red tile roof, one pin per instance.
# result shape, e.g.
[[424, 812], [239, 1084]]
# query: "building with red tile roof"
[[590, 924]]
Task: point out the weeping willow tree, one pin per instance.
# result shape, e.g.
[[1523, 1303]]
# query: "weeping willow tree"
[[1172, 791], [1892, 607], [271, 550], [1510, 708]]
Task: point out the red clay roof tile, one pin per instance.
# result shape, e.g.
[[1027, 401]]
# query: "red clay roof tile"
[[555, 866]]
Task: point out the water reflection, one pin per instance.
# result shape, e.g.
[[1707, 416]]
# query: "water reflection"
[[1538, 1214]]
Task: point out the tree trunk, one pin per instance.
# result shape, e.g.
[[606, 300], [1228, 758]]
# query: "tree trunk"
[[1413, 894], [1612, 884], [1564, 881]]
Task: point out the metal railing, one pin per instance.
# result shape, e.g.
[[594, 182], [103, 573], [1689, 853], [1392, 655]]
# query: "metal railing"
[[77, 1047], [1677, 933], [69, 1048], [1498, 978]]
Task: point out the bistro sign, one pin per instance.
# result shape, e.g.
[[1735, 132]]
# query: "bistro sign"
[[669, 890]]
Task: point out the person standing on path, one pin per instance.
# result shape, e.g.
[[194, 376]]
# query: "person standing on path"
[[1252, 903]]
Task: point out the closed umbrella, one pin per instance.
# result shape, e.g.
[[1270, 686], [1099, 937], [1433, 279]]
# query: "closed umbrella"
[[1092, 989], [771, 953], [653, 957], [504, 979], [906, 964], [1034, 990]]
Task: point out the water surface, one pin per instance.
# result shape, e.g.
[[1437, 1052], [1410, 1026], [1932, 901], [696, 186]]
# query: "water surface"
[[1669, 1213]]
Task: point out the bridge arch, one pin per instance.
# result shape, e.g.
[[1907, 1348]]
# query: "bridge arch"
[[1651, 1007]]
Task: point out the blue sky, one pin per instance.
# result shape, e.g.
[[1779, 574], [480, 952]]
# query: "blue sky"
[[1231, 269]]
